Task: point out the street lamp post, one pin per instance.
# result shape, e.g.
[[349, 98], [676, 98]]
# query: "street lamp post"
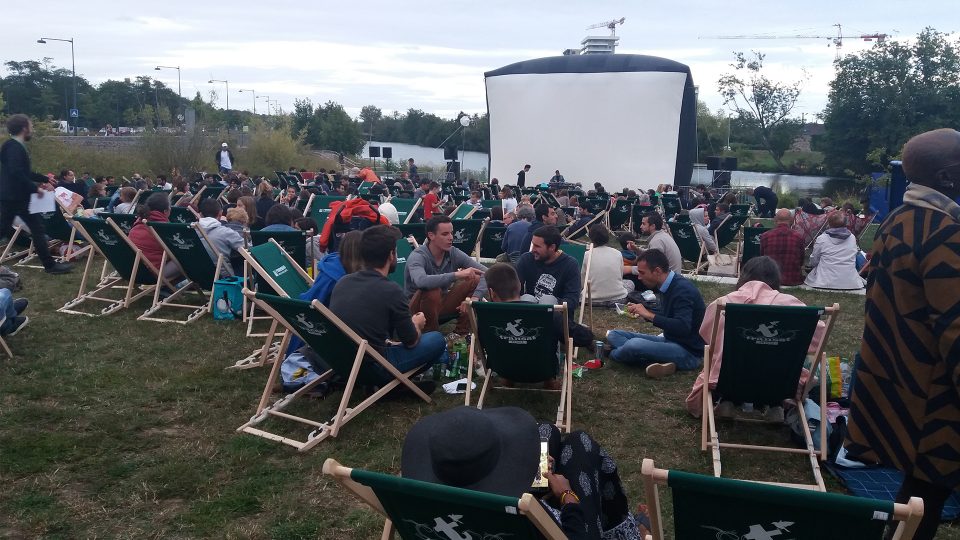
[[254, 98], [266, 97], [158, 68], [227, 84], [73, 63]]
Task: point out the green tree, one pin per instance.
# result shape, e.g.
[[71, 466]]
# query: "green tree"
[[883, 96], [2, 102], [761, 103], [337, 131], [712, 129]]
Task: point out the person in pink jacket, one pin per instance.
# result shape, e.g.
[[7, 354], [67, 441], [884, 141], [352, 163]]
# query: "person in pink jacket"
[[759, 284]]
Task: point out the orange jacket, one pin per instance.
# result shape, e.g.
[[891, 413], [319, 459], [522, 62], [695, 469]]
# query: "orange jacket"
[[351, 209]]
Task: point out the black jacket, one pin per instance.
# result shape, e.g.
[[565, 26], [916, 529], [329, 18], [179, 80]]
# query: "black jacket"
[[233, 162], [17, 180]]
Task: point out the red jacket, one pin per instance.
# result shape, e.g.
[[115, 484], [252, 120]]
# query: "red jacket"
[[143, 238], [351, 209]]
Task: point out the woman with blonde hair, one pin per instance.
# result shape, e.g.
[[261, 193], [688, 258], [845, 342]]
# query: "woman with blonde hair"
[[250, 208]]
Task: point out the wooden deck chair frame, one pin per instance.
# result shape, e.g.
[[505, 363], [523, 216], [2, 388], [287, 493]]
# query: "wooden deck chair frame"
[[470, 211], [11, 252], [476, 244], [3, 342], [272, 348], [574, 234], [73, 252], [872, 229], [249, 315], [908, 515], [477, 357], [114, 280], [321, 430], [586, 299], [701, 263], [413, 210], [483, 231], [195, 310], [708, 427], [527, 506]]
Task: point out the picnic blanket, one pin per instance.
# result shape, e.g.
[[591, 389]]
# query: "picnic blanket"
[[883, 483]]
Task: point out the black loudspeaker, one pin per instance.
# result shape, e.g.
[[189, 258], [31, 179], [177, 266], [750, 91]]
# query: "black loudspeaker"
[[721, 179], [450, 153], [454, 167], [387, 152], [713, 163], [730, 163], [374, 151]]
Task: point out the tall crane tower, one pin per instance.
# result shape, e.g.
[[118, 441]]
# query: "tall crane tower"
[[612, 25], [835, 41]]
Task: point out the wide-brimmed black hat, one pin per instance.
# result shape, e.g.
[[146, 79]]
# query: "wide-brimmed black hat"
[[491, 450]]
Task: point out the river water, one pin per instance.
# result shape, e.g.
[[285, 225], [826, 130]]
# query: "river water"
[[782, 183]]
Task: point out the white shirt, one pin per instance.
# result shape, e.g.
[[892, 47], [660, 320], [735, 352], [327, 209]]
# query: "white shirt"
[[389, 211], [225, 159], [509, 205], [606, 274]]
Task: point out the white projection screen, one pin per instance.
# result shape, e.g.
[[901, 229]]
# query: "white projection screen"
[[622, 120]]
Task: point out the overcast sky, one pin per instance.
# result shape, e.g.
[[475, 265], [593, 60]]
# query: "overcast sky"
[[432, 55]]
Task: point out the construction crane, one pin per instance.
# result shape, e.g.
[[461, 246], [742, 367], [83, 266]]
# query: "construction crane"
[[835, 41], [612, 25]]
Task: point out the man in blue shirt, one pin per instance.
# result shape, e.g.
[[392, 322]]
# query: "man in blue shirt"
[[513, 238], [679, 315]]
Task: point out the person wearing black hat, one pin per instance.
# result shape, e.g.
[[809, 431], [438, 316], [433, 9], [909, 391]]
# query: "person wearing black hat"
[[498, 451]]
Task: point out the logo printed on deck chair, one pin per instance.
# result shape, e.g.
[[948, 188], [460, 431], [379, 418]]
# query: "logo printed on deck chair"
[[445, 530], [515, 333], [756, 532], [314, 329], [497, 237], [279, 271], [180, 242], [683, 233], [459, 236], [106, 239], [767, 334]]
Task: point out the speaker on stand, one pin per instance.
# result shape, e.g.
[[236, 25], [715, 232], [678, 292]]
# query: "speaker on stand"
[[387, 152]]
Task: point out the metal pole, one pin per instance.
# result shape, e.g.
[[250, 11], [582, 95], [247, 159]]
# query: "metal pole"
[[76, 123]]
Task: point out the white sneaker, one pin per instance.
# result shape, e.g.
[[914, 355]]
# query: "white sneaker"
[[658, 371]]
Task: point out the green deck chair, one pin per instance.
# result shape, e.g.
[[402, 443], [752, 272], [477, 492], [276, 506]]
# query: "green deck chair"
[[866, 238], [59, 233], [208, 192], [415, 509], [491, 238], [764, 349], [464, 211], [619, 216], [404, 249], [691, 248], [719, 508], [182, 215], [491, 203], [466, 235], [670, 205], [184, 245], [101, 202], [767, 223], [18, 246], [274, 270], [319, 209], [124, 221], [519, 341], [132, 272], [582, 253], [302, 204], [573, 234], [751, 244], [417, 230], [348, 356], [364, 188], [728, 231], [740, 209], [405, 207]]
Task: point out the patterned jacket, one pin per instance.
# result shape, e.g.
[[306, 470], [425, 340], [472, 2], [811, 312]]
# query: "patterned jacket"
[[905, 408]]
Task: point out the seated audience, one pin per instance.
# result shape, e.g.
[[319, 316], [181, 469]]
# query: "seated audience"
[[279, 218], [759, 283], [548, 275], [606, 270], [157, 208], [679, 313], [544, 214], [512, 243], [722, 210], [376, 308], [431, 202], [496, 450], [12, 310], [127, 194], [265, 200], [309, 226], [389, 211], [698, 218], [439, 277], [785, 246], [225, 241], [249, 205], [834, 257], [508, 201], [651, 225]]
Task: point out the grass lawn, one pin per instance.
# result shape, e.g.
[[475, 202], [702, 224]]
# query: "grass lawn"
[[110, 427]]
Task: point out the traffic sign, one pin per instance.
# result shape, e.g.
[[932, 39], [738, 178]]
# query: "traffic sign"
[[74, 113]]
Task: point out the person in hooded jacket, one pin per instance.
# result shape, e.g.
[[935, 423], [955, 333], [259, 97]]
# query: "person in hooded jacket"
[[224, 240], [834, 258], [157, 208], [698, 217]]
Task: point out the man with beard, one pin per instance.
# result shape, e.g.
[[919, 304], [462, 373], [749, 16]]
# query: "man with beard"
[[376, 308], [548, 275], [17, 184]]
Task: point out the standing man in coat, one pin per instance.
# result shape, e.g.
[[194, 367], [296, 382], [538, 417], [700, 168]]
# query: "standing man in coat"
[[522, 176], [225, 159], [905, 407], [17, 183]]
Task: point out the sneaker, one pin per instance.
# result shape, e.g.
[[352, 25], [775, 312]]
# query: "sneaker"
[[658, 371], [19, 323], [20, 304], [773, 415], [60, 268], [725, 409]]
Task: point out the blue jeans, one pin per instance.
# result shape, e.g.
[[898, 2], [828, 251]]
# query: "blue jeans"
[[861, 261], [6, 306], [432, 349], [643, 349]]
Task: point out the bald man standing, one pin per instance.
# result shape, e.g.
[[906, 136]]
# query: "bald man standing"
[[905, 407], [785, 246]]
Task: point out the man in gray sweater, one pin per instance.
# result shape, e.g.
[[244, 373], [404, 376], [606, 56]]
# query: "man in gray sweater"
[[652, 226], [439, 277]]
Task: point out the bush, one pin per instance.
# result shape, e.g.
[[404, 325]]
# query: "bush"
[[190, 152], [277, 150]]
